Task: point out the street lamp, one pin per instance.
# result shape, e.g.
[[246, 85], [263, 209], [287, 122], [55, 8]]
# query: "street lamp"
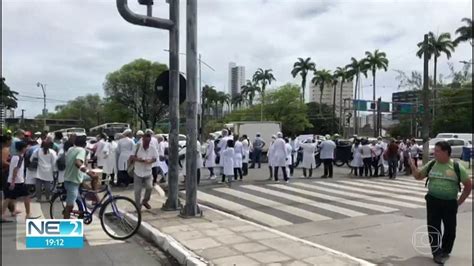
[[466, 62], [39, 84]]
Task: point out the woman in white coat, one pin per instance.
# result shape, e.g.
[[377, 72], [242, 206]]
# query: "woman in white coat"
[[227, 157], [110, 165], [210, 157], [125, 149], [245, 160], [199, 163], [357, 163], [308, 157], [280, 156], [270, 155], [289, 158], [100, 153], [46, 167], [238, 157]]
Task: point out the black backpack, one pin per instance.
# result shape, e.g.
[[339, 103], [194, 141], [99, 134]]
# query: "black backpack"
[[61, 162], [457, 170], [31, 165]]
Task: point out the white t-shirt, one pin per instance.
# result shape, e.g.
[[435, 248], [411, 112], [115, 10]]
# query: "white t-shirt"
[[144, 169], [366, 151], [13, 163]]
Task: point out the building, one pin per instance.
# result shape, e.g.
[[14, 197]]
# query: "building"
[[236, 78], [404, 97], [328, 94]]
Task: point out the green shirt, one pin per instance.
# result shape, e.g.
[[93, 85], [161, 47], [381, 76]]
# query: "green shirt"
[[72, 173], [443, 181]]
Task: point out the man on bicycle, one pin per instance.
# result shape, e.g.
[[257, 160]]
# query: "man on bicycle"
[[75, 173]]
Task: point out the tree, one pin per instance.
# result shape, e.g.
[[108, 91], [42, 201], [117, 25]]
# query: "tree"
[[223, 98], [455, 110], [249, 90], [133, 86], [465, 32], [263, 77], [321, 78], [375, 61], [209, 96], [355, 68], [322, 123], [344, 76], [237, 101], [302, 67], [437, 45], [9, 99]]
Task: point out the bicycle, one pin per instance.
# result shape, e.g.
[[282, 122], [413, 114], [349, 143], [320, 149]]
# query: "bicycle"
[[87, 204]]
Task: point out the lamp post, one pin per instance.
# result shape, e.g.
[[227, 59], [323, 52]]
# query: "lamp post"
[[42, 86]]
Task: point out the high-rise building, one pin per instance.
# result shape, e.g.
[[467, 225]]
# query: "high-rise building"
[[236, 78], [328, 94]]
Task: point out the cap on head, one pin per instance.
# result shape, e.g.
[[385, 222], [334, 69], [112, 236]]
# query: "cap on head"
[[149, 131], [127, 131], [279, 134], [27, 133], [327, 136], [273, 137], [140, 133]]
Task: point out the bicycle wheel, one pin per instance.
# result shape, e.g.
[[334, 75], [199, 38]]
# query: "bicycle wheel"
[[339, 163], [115, 217], [57, 205]]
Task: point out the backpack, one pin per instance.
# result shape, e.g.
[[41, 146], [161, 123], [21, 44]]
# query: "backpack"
[[31, 165], [457, 170], [61, 162]]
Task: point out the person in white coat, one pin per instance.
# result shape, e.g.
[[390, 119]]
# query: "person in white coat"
[[246, 149], [210, 157], [221, 146], [280, 156], [327, 148], [227, 159], [162, 165], [199, 164], [110, 166], [357, 164], [99, 151], [154, 143], [289, 158], [46, 157], [125, 149], [367, 156], [270, 156], [238, 157], [308, 157]]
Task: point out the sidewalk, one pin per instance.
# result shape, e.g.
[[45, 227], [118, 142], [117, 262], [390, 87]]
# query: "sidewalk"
[[219, 238]]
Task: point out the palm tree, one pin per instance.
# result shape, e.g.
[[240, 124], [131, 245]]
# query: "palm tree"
[[334, 82], [263, 77], [223, 98], [237, 101], [344, 76], [302, 67], [209, 97], [437, 45], [375, 61], [355, 68], [249, 90], [321, 78], [9, 99], [465, 32]]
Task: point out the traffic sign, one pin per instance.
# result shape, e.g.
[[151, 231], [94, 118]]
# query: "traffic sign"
[[162, 87]]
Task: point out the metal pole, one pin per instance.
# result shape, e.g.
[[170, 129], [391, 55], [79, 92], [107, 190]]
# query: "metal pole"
[[172, 203], [201, 99], [426, 102], [191, 208]]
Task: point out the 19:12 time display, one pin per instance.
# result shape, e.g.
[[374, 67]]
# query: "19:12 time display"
[[54, 242]]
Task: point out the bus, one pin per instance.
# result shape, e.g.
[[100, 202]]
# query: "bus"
[[110, 129], [78, 131]]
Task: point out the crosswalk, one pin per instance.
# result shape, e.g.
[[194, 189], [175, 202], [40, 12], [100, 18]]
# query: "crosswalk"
[[276, 204], [94, 235]]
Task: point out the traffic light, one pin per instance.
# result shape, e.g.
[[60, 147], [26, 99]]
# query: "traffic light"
[[146, 2], [348, 118]]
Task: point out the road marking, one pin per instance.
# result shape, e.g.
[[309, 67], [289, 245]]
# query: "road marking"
[[337, 199], [383, 187], [321, 205], [241, 209], [389, 183], [275, 205], [365, 197]]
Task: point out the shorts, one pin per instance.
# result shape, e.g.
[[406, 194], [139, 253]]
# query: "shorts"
[[20, 191], [72, 192]]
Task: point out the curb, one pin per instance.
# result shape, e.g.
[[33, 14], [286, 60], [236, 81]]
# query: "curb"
[[168, 244]]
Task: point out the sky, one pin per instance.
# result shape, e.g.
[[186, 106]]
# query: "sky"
[[71, 45]]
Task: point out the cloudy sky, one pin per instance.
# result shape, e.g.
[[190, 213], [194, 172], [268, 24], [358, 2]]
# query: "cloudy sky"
[[71, 45]]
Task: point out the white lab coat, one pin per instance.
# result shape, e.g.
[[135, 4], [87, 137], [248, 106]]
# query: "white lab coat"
[[199, 161], [289, 151], [154, 143], [308, 155], [46, 164], [161, 152], [327, 149], [99, 152], [110, 151], [222, 146], [125, 149], [238, 154], [246, 148], [279, 153], [210, 154], [227, 159], [270, 155], [356, 157]]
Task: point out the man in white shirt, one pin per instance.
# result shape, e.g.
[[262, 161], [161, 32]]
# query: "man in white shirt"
[[144, 159], [280, 156], [327, 148]]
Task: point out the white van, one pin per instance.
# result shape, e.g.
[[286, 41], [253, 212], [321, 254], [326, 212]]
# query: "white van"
[[464, 136]]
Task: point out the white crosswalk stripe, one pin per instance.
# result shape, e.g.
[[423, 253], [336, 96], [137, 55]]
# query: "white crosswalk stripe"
[[243, 210], [385, 187], [269, 203], [322, 205], [362, 196], [365, 205], [391, 184]]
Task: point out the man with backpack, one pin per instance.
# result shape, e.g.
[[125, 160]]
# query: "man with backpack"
[[443, 179]]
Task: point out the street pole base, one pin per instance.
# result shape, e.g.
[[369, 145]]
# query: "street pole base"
[[172, 206], [191, 211]]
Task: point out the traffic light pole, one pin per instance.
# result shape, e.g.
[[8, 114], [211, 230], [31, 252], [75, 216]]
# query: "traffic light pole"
[[172, 25]]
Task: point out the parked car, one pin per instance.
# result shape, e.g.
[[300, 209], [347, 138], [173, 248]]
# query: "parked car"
[[464, 136], [456, 146]]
